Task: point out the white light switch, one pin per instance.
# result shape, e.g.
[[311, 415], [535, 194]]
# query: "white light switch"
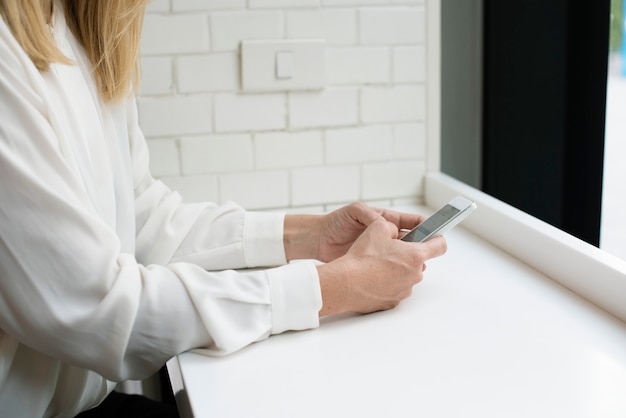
[[284, 64], [278, 65]]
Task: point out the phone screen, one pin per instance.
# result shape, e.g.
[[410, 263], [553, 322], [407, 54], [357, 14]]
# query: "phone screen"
[[432, 224]]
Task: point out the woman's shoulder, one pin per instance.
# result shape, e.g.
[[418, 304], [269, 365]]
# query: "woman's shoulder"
[[13, 59]]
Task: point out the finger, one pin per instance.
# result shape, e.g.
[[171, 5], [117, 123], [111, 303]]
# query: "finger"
[[402, 220], [383, 227], [363, 213], [434, 247]]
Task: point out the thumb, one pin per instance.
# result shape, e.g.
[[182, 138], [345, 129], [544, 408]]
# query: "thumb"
[[384, 228], [365, 214]]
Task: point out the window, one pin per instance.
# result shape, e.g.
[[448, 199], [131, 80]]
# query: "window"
[[613, 225], [538, 140], [531, 135]]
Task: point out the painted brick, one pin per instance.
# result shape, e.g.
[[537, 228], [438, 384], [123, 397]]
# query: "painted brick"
[[259, 4], [214, 72], [337, 27], [156, 77], [257, 189], [216, 153], [323, 149], [393, 180], [249, 112], [396, 104], [409, 64], [192, 34], [164, 157], [357, 65], [330, 107], [228, 29], [333, 3], [158, 6], [409, 2], [320, 185], [410, 141], [408, 204], [362, 144], [194, 188], [304, 209], [175, 115], [288, 149], [192, 5], [393, 25]]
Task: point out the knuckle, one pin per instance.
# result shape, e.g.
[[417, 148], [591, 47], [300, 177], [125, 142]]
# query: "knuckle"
[[358, 205], [418, 278], [418, 257], [392, 304], [444, 245]]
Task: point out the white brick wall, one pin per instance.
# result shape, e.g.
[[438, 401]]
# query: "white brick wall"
[[362, 137], [215, 72], [216, 154]]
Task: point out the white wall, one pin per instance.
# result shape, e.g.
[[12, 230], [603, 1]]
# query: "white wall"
[[363, 137]]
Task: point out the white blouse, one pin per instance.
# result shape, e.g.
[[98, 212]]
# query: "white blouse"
[[104, 273]]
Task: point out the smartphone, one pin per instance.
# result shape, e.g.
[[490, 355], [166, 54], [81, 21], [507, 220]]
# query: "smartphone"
[[450, 215]]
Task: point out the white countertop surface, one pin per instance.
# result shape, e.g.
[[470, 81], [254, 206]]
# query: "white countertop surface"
[[484, 335]]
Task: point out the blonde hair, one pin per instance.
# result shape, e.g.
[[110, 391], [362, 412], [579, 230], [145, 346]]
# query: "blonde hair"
[[109, 30]]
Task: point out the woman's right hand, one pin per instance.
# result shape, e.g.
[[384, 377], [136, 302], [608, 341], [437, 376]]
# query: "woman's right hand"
[[377, 272]]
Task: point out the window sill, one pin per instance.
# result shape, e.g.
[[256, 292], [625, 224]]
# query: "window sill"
[[586, 270]]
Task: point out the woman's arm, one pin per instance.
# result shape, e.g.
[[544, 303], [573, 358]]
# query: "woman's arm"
[[71, 288]]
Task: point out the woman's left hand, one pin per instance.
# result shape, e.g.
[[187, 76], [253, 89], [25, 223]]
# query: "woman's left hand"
[[328, 237]]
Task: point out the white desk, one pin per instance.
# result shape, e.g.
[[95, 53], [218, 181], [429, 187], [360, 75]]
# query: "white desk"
[[483, 335]]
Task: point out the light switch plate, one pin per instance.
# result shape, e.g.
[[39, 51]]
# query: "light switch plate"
[[266, 65], [284, 64]]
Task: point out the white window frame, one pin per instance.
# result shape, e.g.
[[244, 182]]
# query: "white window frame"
[[593, 274]]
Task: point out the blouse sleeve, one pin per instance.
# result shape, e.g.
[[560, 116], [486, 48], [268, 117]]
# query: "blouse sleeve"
[[215, 237], [68, 289]]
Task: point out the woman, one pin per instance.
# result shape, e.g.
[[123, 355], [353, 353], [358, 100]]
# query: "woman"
[[104, 273]]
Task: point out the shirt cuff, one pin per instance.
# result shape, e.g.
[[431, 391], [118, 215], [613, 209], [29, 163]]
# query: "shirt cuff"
[[296, 297], [263, 239]]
